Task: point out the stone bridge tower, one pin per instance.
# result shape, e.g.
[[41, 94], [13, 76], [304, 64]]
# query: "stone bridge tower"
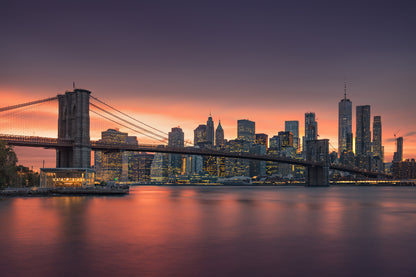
[[318, 151], [74, 125]]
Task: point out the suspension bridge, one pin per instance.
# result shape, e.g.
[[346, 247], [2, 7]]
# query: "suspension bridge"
[[73, 144]]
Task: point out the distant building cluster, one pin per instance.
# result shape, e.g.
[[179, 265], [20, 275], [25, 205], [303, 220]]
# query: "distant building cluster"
[[176, 168]]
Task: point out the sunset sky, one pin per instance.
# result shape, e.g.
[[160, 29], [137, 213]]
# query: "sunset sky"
[[171, 63]]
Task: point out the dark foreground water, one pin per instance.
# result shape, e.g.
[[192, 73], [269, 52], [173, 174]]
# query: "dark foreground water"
[[213, 231]]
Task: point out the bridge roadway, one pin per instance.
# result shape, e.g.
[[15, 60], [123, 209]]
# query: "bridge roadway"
[[45, 142]]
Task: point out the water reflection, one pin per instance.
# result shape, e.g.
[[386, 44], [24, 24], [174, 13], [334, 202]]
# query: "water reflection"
[[206, 231]]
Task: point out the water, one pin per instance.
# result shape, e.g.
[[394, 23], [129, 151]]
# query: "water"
[[213, 231]]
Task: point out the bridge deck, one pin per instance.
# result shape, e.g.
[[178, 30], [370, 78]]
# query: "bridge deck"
[[45, 142]]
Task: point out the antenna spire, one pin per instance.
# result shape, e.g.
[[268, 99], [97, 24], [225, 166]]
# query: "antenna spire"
[[73, 84], [345, 90]]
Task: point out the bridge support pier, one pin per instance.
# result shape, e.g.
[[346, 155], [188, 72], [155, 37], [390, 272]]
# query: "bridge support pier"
[[74, 125], [318, 176], [318, 151]]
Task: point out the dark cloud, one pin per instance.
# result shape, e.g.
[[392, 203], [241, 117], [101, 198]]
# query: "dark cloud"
[[410, 134]]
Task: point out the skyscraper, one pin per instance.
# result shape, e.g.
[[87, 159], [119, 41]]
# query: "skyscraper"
[[200, 134], [293, 127], [246, 130], [262, 139], [344, 124], [115, 165], [377, 131], [176, 139], [398, 155], [219, 136], [363, 133], [311, 129], [210, 131], [285, 139]]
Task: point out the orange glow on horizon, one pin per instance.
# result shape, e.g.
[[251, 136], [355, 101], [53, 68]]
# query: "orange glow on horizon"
[[188, 114]]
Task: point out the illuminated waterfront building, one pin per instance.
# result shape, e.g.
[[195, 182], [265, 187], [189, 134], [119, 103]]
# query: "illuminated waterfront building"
[[258, 168], [404, 169], [293, 127], [176, 139], [262, 139], [144, 161], [246, 130], [115, 165], [159, 168], [204, 138], [237, 167], [193, 164], [345, 136], [130, 162]]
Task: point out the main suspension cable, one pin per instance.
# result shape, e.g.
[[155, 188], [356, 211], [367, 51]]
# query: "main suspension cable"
[[134, 130], [27, 104], [126, 121], [132, 118]]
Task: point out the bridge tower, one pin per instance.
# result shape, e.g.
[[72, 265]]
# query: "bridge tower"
[[74, 124], [318, 151]]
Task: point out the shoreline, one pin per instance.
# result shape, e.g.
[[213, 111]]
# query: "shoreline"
[[88, 191]]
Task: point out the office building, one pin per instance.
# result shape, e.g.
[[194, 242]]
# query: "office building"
[[262, 139], [200, 134], [219, 136], [344, 125], [398, 155], [144, 166], [237, 167], [363, 133], [176, 139], [258, 168], [159, 170], [377, 138], [311, 129], [115, 166], [293, 127], [246, 130], [210, 131], [285, 140], [274, 143]]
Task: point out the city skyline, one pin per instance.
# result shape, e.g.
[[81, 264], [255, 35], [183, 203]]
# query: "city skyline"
[[25, 153], [172, 64]]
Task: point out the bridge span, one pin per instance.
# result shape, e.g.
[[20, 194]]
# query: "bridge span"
[[73, 145], [54, 143]]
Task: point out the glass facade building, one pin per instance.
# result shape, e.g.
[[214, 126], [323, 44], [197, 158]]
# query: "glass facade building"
[[246, 130], [344, 126]]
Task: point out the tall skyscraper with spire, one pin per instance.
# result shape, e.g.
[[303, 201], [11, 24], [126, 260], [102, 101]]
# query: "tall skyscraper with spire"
[[344, 124], [219, 135], [210, 130]]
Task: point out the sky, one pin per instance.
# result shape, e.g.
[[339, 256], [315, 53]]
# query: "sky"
[[172, 63]]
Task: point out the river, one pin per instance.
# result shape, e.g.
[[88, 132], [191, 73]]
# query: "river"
[[213, 231]]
